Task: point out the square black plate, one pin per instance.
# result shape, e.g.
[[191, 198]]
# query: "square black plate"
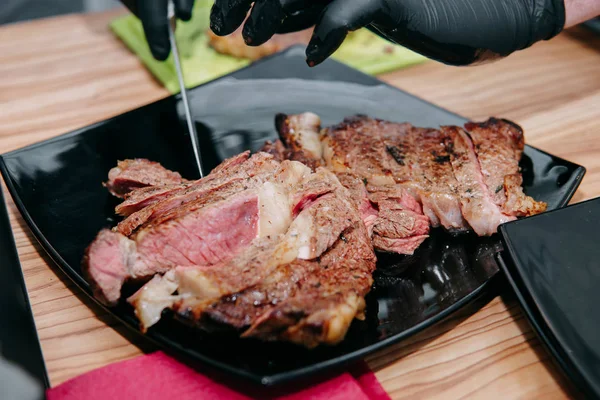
[[558, 289], [57, 187]]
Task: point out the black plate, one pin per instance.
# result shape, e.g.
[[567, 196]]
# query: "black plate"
[[559, 289], [56, 185]]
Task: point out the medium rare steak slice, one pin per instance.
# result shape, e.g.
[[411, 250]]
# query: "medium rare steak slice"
[[499, 146], [208, 231], [360, 199], [400, 226], [305, 286], [137, 173], [236, 175], [140, 198], [194, 239], [477, 204]]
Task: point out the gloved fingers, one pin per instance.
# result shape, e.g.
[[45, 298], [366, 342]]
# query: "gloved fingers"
[[301, 20], [155, 22], [227, 15], [338, 18], [264, 20], [183, 9], [269, 16]]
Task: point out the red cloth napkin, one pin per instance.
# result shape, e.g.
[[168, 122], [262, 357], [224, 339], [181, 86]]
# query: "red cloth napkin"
[[160, 376]]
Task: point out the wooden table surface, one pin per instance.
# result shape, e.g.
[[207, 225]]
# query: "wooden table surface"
[[63, 73]]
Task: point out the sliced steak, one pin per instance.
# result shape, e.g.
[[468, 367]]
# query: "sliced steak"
[[317, 226], [305, 286], [137, 173], [463, 181], [432, 178], [499, 146], [400, 226], [141, 198], [194, 239], [192, 234], [235, 176], [144, 197], [477, 205], [360, 198], [360, 153], [355, 145]]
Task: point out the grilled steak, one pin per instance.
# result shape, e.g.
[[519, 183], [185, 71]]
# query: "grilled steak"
[[279, 245], [237, 175], [190, 232], [463, 179], [137, 173], [305, 285], [397, 223]]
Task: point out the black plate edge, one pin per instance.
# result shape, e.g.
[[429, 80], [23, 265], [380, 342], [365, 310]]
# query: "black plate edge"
[[42, 374], [275, 379], [560, 357], [540, 324]]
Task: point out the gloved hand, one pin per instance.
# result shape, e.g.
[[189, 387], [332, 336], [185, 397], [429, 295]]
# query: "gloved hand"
[[153, 14], [457, 32]]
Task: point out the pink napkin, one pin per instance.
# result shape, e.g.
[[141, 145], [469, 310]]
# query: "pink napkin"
[[160, 376]]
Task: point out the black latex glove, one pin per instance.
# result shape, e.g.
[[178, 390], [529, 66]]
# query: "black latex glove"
[[457, 32], [153, 14]]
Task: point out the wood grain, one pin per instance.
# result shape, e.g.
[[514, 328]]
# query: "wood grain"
[[63, 73]]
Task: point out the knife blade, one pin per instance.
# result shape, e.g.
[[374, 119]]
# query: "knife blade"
[[186, 106]]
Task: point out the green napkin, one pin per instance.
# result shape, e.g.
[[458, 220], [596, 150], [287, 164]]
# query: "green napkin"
[[362, 50]]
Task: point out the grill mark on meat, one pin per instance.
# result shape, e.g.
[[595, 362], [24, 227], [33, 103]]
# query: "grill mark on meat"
[[396, 154]]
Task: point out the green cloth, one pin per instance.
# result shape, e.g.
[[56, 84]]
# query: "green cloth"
[[362, 50]]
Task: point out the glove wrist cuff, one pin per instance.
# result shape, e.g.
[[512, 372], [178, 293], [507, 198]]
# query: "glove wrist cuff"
[[550, 19]]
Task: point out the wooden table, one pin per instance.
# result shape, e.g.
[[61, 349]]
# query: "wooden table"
[[60, 74]]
